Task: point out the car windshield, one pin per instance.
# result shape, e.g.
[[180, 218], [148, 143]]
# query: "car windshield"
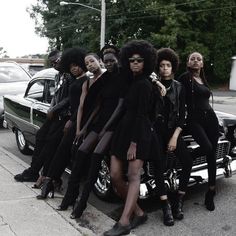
[[12, 73]]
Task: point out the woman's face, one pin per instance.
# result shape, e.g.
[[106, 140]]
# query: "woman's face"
[[110, 62], [75, 70], [195, 61], [136, 63], [165, 69], [92, 64]]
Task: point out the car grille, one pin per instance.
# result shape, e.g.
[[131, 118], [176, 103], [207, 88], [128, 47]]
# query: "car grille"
[[221, 151]]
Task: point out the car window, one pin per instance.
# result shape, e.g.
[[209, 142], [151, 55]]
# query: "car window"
[[36, 90], [51, 91], [12, 73]]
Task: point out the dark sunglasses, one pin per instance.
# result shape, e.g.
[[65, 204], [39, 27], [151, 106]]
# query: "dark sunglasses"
[[137, 59]]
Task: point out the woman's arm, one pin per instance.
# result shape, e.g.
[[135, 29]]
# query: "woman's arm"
[[173, 140], [80, 109]]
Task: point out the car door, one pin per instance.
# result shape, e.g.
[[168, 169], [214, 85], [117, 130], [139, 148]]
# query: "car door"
[[35, 94], [42, 105]]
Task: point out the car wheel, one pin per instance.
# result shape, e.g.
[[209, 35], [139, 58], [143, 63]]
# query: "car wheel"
[[103, 187], [22, 144]]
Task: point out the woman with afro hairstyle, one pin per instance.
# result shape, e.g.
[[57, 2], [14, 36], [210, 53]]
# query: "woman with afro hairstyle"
[[133, 136], [201, 119], [170, 122], [72, 62]]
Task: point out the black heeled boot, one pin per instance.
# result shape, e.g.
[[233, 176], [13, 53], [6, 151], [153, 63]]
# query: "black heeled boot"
[[168, 219], [74, 181], [57, 185], [47, 188], [78, 210], [209, 200], [88, 186], [69, 199], [177, 207]]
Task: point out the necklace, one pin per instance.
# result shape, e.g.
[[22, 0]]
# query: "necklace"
[[198, 79]]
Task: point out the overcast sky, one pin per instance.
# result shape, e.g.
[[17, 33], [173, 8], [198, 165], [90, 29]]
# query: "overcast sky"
[[17, 34]]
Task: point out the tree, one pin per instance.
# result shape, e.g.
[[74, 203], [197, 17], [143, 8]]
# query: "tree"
[[224, 32], [206, 26], [3, 53]]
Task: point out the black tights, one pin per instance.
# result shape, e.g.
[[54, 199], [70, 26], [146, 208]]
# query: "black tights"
[[205, 131], [181, 153], [90, 143]]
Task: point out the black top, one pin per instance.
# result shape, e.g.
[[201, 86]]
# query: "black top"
[[114, 89], [135, 125], [197, 95], [75, 91], [60, 101]]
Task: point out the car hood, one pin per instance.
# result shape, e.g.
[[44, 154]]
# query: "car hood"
[[226, 118], [13, 88]]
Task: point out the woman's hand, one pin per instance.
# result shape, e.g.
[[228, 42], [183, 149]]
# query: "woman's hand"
[[50, 115], [162, 88], [67, 126], [79, 134], [172, 144], [131, 154]]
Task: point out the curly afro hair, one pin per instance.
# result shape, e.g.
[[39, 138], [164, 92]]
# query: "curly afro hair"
[[144, 49], [73, 56], [170, 55], [109, 48]]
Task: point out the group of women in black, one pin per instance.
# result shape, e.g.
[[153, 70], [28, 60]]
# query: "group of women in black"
[[134, 117]]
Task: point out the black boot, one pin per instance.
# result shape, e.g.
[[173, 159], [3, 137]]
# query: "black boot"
[[167, 213], [209, 200], [88, 186], [27, 176], [70, 198], [78, 210], [74, 181], [177, 207], [47, 188]]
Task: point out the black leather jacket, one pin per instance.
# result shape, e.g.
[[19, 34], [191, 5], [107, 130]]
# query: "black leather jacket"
[[176, 111], [60, 102]]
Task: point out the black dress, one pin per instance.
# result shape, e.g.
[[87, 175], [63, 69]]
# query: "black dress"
[[135, 125], [114, 88]]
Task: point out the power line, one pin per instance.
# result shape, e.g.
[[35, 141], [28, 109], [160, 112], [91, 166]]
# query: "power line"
[[65, 28], [159, 8], [175, 13]]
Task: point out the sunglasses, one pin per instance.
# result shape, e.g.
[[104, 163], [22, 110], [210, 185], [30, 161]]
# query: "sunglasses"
[[137, 59]]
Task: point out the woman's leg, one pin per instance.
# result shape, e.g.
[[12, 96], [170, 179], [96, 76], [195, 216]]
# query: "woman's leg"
[[186, 161], [119, 184], [212, 130], [95, 165], [134, 172], [209, 147], [77, 170]]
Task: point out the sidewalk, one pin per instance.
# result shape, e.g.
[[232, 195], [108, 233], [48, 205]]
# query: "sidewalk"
[[21, 214]]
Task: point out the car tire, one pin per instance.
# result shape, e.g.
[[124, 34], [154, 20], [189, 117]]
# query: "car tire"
[[103, 187], [22, 144]]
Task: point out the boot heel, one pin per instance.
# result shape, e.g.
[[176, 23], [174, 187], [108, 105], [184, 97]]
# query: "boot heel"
[[78, 211], [47, 188], [209, 200]]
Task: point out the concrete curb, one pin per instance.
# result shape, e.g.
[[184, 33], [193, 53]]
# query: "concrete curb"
[[22, 214]]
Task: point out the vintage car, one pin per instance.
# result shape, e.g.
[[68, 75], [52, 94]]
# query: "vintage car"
[[13, 80], [25, 114]]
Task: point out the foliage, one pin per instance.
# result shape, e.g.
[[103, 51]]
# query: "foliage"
[[207, 26]]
